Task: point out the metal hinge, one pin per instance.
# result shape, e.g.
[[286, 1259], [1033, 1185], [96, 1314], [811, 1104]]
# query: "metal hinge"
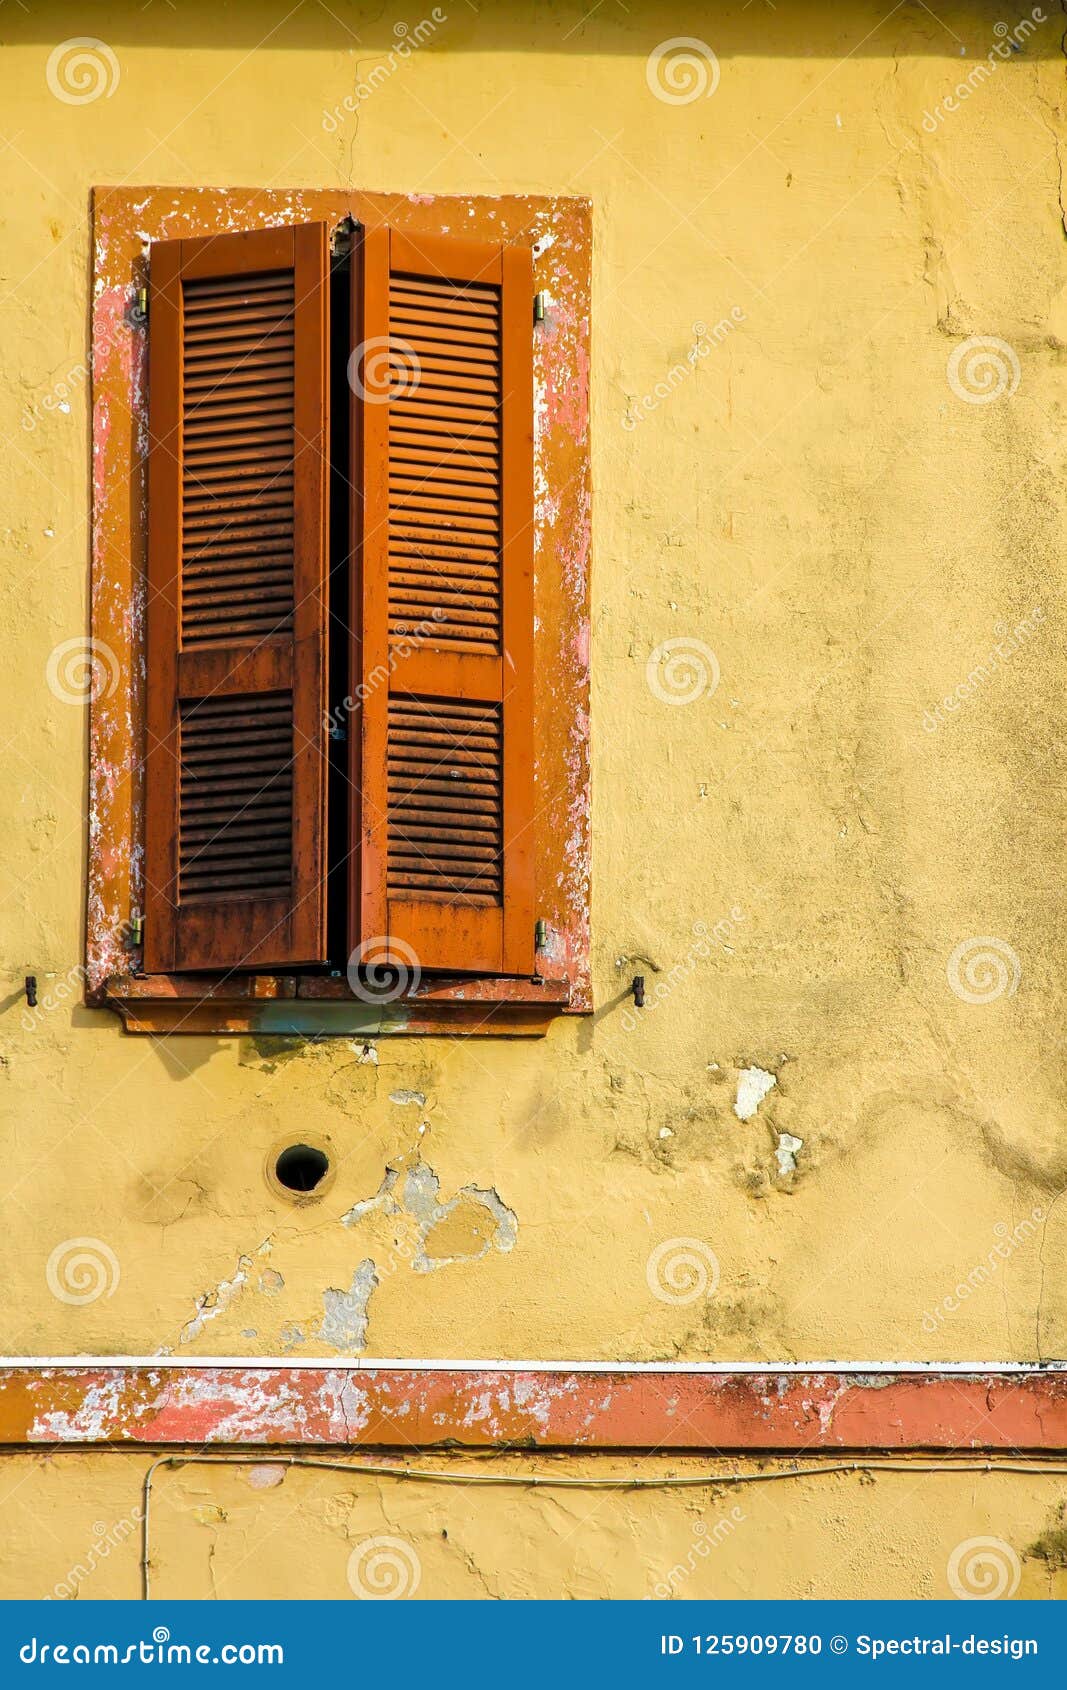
[[540, 300], [342, 237]]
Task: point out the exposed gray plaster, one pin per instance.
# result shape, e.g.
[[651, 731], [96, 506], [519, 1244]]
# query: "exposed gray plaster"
[[786, 1153], [210, 1304], [421, 1190], [419, 1195], [383, 1199], [753, 1084], [344, 1321], [421, 1198]]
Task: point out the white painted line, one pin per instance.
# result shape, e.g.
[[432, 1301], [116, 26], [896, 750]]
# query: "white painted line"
[[360, 1364]]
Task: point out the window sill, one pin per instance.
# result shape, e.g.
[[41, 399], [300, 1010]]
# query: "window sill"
[[312, 1007]]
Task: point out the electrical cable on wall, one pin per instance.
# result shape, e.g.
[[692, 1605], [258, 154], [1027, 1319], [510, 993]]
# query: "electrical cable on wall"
[[550, 1481]]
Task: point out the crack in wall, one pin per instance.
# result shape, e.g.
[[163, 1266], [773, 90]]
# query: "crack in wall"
[[215, 1301]]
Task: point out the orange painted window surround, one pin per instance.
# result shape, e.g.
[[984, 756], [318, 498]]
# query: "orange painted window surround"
[[349, 754]]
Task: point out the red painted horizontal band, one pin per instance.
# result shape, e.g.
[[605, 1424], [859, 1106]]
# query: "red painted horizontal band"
[[414, 1409]]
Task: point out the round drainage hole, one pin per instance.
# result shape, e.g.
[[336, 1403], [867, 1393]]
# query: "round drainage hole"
[[301, 1168]]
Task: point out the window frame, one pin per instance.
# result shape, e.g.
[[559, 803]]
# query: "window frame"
[[558, 229]]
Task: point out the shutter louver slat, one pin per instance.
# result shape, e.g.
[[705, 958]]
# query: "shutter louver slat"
[[425, 530], [242, 777], [439, 762], [236, 634]]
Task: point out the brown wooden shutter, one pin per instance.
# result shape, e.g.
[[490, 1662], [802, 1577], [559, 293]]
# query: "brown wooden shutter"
[[443, 377], [236, 660]]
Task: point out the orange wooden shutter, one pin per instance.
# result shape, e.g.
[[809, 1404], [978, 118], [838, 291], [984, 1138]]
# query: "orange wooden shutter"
[[443, 377], [236, 665]]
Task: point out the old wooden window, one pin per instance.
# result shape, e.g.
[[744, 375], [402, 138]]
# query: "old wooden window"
[[339, 651]]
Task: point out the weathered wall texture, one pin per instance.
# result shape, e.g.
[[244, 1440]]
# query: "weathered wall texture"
[[259, 1531], [828, 824]]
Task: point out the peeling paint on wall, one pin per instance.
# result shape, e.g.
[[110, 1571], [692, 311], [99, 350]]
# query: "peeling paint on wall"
[[786, 1153], [753, 1084], [464, 1228], [344, 1320]]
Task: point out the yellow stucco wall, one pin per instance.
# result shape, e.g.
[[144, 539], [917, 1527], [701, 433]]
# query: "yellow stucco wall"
[[72, 1525], [825, 497]]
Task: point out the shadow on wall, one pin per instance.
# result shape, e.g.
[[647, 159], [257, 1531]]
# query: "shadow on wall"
[[803, 29]]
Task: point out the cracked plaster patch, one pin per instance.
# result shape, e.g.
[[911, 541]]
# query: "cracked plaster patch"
[[465, 1228]]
